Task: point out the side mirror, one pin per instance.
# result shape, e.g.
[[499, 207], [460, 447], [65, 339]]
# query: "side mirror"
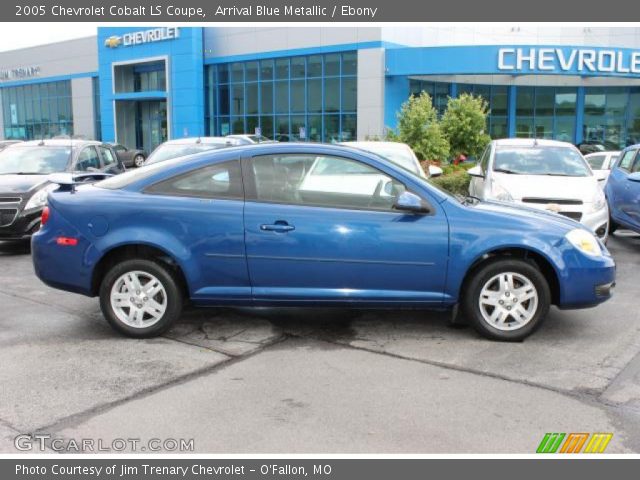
[[410, 202], [476, 172], [434, 171], [634, 177]]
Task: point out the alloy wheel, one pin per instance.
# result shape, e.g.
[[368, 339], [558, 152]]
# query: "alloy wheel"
[[508, 301]]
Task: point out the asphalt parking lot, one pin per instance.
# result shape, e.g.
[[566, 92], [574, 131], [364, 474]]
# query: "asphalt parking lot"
[[300, 381]]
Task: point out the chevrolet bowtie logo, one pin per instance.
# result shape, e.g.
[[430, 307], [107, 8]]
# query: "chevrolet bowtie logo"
[[113, 42]]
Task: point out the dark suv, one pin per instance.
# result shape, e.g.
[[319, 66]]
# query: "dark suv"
[[24, 178]]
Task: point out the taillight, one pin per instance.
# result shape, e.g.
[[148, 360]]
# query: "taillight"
[[67, 241], [45, 216]]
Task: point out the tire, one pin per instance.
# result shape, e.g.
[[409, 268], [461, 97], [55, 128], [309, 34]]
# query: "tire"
[[515, 321], [138, 161], [155, 307], [613, 226]]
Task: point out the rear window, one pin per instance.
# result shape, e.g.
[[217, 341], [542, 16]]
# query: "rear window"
[[131, 176], [167, 152]]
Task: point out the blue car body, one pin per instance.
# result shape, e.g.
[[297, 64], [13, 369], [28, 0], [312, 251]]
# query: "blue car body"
[[238, 251], [623, 189]]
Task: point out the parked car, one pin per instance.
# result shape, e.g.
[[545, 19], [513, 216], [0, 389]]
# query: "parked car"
[[188, 146], [257, 226], [130, 158], [248, 139], [5, 143], [25, 180], [623, 191], [601, 163], [399, 153], [545, 175]]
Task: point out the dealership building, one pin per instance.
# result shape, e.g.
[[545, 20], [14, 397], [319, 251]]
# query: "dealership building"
[[140, 86]]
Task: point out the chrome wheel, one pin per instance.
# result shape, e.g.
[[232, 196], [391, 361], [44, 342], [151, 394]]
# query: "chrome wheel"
[[138, 299], [138, 160], [508, 301]]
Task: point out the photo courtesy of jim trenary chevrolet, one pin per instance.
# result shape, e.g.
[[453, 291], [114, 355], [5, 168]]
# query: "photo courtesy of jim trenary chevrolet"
[[319, 240]]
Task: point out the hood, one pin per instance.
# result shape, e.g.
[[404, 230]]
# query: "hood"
[[548, 186], [527, 214], [21, 183]]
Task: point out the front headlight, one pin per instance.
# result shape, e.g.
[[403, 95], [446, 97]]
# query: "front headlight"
[[585, 242], [39, 199], [498, 192], [598, 202]]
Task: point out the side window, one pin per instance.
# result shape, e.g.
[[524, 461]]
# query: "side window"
[[88, 160], [628, 157], [636, 166], [223, 180], [596, 161], [324, 181], [107, 157]]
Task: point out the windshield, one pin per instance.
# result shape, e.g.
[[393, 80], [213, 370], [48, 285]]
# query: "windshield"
[[34, 160], [401, 157], [167, 151], [540, 160]]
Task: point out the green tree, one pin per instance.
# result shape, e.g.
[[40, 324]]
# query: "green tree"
[[419, 128], [464, 123]]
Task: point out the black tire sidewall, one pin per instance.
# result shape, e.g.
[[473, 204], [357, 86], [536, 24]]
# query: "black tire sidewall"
[[164, 275], [492, 268]]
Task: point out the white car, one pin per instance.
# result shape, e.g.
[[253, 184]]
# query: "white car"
[[542, 174], [188, 146], [399, 153], [601, 162]]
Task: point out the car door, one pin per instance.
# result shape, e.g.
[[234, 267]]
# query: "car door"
[[110, 162], [321, 228], [631, 205], [203, 210], [619, 190]]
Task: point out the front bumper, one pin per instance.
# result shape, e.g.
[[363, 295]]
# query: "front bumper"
[[23, 226], [585, 281], [597, 222]]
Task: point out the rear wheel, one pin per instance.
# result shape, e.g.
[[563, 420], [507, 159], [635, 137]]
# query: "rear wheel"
[[506, 299], [140, 298], [138, 160]]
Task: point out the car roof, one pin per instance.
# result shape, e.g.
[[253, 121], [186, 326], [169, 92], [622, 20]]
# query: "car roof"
[[206, 140], [369, 143], [604, 152], [530, 142], [60, 142]]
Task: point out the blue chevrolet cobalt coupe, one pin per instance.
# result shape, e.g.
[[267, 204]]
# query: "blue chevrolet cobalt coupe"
[[310, 225]]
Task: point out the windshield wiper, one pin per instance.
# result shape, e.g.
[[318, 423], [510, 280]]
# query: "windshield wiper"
[[505, 170], [558, 175]]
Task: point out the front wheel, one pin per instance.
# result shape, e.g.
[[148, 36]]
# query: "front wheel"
[[506, 299], [140, 298]]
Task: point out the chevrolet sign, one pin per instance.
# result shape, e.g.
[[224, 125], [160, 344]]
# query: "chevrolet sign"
[[144, 36]]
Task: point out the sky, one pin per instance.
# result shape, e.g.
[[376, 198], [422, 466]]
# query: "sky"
[[12, 35]]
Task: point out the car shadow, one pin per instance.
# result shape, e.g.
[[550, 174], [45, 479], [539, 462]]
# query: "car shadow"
[[14, 248]]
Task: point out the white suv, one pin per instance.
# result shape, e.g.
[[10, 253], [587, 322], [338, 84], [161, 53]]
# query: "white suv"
[[543, 174]]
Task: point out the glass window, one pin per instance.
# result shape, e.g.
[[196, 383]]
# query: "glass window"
[[88, 160], [108, 158], [265, 93], [323, 181], [628, 157], [595, 161], [223, 180]]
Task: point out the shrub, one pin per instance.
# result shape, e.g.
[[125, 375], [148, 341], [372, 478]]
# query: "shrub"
[[464, 122], [419, 128], [456, 182]]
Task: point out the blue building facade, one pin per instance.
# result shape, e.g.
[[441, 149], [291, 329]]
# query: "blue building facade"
[[140, 86]]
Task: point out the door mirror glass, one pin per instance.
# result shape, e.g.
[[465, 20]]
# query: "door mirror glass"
[[634, 177], [410, 202], [476, 172]]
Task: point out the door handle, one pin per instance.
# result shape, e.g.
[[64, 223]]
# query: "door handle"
[[280, 226]]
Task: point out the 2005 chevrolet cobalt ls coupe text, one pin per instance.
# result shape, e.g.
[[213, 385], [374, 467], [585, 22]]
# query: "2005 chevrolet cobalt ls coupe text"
[[296, 224]]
